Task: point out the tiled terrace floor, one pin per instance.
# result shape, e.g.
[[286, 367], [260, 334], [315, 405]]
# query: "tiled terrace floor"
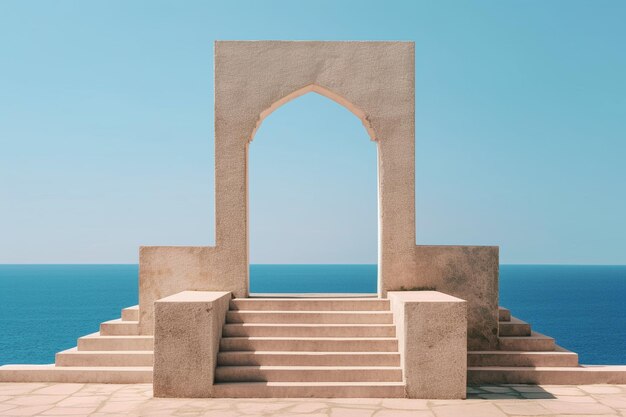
[[34, 399]]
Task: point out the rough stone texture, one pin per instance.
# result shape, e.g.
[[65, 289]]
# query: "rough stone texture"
[[188, 329], [375, 80], [431, 330], [168, 270], [467, 272]]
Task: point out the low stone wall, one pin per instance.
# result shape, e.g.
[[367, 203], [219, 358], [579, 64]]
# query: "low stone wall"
[[168, 270], [188, 329], [431, 328], [468, 272]]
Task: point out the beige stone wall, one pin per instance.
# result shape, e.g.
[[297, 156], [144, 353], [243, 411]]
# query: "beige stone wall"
[[431, 328], [188, 329], [168, 270], [467, 272]]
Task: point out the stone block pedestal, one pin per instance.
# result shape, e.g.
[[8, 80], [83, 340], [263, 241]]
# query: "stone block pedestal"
[[187, 333], [432, 334]]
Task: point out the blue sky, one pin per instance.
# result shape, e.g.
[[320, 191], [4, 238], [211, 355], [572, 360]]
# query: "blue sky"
[[106, 130]]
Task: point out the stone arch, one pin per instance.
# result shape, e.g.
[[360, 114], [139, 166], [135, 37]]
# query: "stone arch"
[[374, 80], [323, 91]]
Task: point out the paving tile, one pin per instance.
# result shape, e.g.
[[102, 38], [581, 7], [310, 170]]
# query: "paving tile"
[[496, 389], [498, 396], [36, 399], [537, 395], [576, 398], [561, 407], [69, 411], [524, 408], [350, 412], [600, 389], [563, 390], [262, 407], [468, 410], [120, 406], [472, 390], [26, 410], [404, 413], [405, 404], [615, 401], [87, 401], [308, 407], [59, 389], [19, 389], [528, 388], [299, 415], [221, 413]]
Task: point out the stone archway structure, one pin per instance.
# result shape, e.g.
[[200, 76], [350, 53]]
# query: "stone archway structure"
[[376, 82]]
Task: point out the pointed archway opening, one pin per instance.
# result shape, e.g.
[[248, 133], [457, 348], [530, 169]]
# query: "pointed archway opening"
[[313, 199]]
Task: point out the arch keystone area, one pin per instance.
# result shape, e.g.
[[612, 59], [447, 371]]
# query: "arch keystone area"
[[313, 88]]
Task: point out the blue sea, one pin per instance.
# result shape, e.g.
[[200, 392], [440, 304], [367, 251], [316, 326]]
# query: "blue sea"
[[45, 308]]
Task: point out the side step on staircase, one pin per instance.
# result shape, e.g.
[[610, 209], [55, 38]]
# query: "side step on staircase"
[[117, 354], [528, 357]]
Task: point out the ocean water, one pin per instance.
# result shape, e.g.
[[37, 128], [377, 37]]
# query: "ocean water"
[[45, 308]]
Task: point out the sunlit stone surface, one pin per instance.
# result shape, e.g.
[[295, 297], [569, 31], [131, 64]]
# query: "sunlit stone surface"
[[101, 400]]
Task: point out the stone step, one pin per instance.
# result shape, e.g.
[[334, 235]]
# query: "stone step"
[[534, 342], [307, 344], [310, 389], [504, 314], [514, 327], [96, 375], [95, 341], [308, 374], [578, 375], [310, 317], [309, 330], [91, 358], [118, 327], [310, 304], [242, 358], [557, 358], [130, 313]]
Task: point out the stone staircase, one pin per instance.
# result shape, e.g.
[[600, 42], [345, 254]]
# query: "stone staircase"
[[116, 354], [529, 357], [309, 348]]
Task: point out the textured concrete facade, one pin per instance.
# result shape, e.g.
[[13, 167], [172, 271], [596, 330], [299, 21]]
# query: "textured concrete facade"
[[167, 270], [431, 330], [188, 328], [467, 272]]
